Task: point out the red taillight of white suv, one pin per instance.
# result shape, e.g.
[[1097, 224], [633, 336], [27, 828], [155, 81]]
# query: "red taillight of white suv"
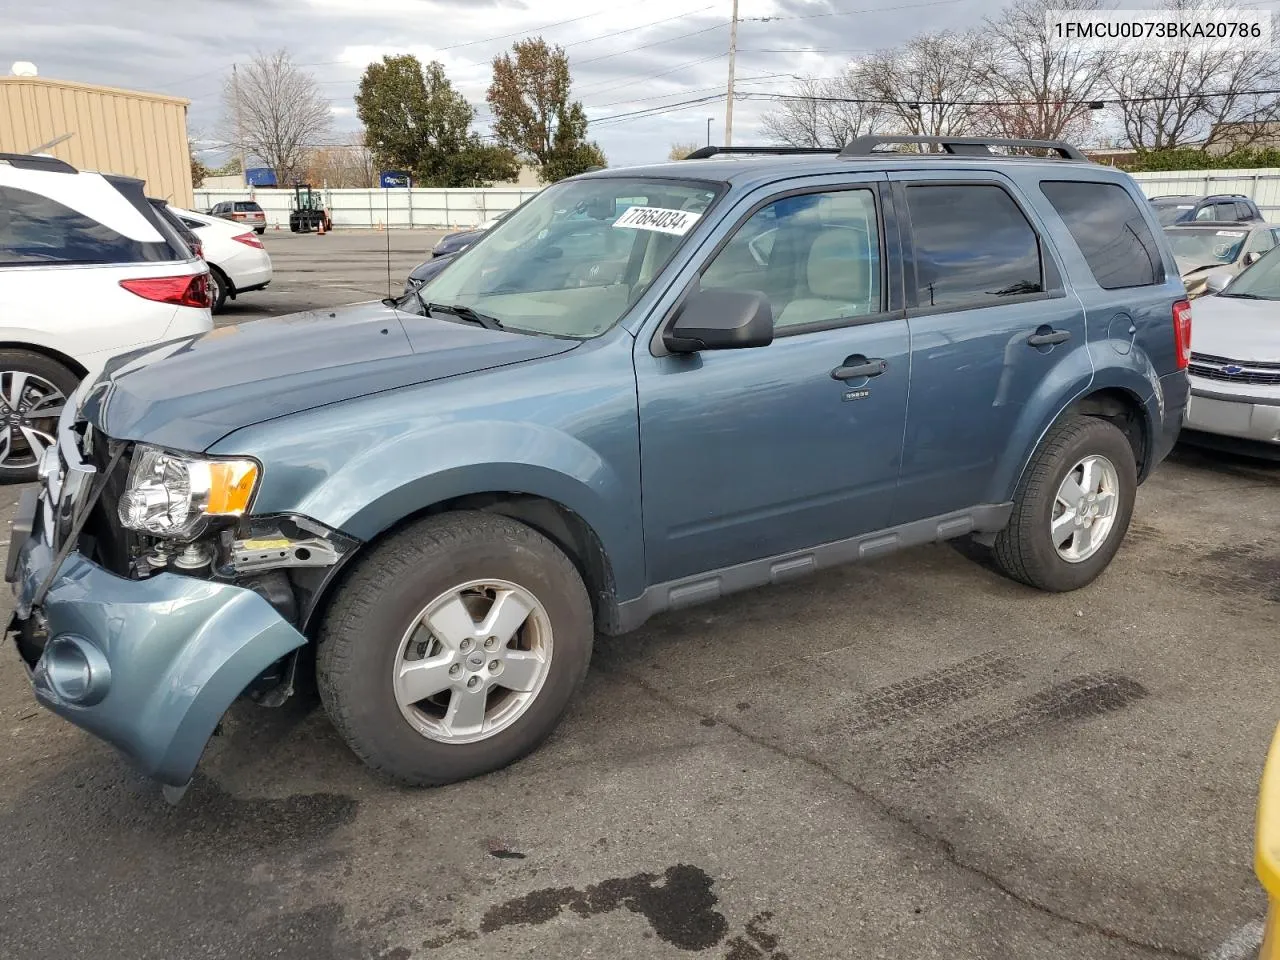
[[1182, 332], [249, 240], [184, 291]]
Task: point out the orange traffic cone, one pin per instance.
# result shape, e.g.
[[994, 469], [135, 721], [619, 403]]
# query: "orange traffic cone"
[[320, 231]]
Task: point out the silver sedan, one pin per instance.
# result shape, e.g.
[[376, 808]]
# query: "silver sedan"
[[1235, 361]]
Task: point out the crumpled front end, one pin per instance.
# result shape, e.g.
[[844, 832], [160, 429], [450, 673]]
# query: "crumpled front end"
[[149, 665]]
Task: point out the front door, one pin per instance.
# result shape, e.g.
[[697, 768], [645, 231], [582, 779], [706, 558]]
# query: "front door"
[[751, 453]]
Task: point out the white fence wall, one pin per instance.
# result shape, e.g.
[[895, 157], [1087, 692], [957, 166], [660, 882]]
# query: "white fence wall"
[[1260, 184], [453, 209], [426, 208]]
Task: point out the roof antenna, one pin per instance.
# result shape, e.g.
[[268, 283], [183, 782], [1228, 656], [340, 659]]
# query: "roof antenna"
[[387, 194]]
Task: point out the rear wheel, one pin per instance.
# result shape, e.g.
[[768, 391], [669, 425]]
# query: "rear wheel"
[[219, 288], [33, 391], [1072, 508], [259, 230], [454, 648]]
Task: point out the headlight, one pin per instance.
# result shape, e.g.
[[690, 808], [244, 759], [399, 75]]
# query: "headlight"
[[173, 494]]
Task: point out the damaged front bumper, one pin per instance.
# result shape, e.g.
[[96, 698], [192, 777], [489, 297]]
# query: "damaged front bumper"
[[150, 665]]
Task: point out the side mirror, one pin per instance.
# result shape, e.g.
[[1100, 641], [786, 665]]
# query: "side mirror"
[[1218, 281], [1251, 258], [721, 320]]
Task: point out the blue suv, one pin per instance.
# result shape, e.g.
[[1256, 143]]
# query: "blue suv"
[[744, 367]]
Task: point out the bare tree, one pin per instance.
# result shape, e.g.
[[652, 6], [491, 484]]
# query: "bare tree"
[[681, 150], [931, 85], [274, 111], [825, 112], [342, 166], [1037, 89], [1196, 96]]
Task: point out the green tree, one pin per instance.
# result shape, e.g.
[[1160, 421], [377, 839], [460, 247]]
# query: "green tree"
[[415, 120], [529, 97]]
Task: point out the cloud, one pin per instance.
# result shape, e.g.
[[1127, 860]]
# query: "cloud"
[[187, 49]]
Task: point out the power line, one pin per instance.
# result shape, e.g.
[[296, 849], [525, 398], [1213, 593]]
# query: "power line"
[[657, 43], [847, 13], [662, 96], [664, 73]]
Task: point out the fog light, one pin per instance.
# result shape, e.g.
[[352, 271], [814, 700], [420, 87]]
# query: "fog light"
[[77, 671]]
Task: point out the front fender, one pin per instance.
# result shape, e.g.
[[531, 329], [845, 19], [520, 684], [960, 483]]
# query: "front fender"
[[423, 463]]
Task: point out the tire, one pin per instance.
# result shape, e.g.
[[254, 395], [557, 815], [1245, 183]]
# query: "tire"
[[219, 288], [366, 633], [259, 230], [1025, 550], [44, 385]]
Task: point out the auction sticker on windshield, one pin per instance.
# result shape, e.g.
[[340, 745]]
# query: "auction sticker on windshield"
[[659, 219], [1228, 233]]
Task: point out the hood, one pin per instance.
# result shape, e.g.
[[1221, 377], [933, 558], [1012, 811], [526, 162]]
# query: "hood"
[[189, 393], [454, 242], [1236, 329], [1189, 268], [425, 271]]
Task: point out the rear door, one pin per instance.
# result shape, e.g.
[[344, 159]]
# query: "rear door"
[[990, 318], [753, 453]]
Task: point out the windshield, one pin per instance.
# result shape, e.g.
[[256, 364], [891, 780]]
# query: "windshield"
[[573, 259], [1260, 281], [1169, 211], [1205, 246]]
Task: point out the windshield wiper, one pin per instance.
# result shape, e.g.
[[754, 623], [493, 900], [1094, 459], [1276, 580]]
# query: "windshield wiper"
[[1244, 296], [463, 312]]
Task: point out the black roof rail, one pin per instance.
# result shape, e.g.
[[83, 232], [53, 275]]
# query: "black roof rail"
[[702, 153], [30, 161], [965, 146]]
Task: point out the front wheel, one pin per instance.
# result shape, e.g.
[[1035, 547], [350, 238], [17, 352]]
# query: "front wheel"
[[1072, 507], [454, 648]]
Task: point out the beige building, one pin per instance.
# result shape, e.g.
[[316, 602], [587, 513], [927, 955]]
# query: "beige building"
[[140, 135]]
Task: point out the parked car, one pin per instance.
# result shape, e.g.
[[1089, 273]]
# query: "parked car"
[[1219, 208], [238, 262], [241, 211], [426, 270], [449, 495], [1266, 859], [1235, 362], [88, 268], [1202, 248]]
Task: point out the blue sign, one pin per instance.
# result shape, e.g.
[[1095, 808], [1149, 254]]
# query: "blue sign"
[[260, 177], [393, 178]]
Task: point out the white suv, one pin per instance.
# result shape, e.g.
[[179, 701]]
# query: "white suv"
[[88, 269]]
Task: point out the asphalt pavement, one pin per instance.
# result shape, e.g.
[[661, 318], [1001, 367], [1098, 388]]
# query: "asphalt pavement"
[[909, 758], [310, 271]]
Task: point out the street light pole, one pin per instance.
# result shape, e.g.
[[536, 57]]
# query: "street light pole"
[[709, 119], [733, 55]]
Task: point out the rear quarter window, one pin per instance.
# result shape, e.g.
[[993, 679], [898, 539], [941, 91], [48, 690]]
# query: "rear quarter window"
[[37, 230], [1110, 231]]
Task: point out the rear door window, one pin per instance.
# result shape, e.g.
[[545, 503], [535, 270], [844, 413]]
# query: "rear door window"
[[1110, 231], [973, 246], [37, 230], [1243, 212]]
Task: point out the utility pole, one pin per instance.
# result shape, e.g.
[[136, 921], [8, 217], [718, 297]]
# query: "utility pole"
[[235, 94], [733, 55], [709, 119]]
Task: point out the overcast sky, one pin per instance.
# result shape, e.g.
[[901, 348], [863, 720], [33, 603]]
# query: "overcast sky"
[[621, 59]]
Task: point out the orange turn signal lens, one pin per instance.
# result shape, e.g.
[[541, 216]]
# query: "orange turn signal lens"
[[231, 484]]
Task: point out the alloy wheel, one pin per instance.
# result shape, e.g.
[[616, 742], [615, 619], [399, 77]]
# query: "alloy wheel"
[[472, 661]]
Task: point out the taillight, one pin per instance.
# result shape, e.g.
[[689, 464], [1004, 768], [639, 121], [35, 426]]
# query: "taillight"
[[237, 216], [249, 240], [1182, 332], [184, 291]]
